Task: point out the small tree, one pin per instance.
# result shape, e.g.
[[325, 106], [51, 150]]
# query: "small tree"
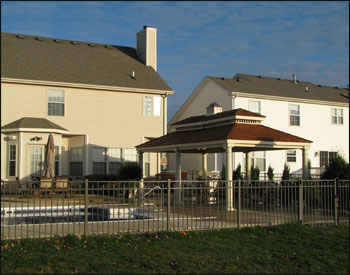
[[237, 174], [286, 172], [339, 169], [270, 173], [309, 170], [254, 173], [223, 172]]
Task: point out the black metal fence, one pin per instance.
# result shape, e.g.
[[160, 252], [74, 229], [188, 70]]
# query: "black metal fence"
[[34, 210]]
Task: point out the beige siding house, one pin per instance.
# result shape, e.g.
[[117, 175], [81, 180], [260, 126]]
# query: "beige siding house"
[[99, 101], [315, 112]]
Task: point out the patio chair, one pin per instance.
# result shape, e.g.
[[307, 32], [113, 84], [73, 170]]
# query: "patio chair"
[[45, 185], [62, 185]]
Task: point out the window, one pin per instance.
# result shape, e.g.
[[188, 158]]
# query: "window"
[[147, 105], [114, 160], [294, 112], [291, 156], [337, 116], [36, 157], [259, 160], [255, 106], [76, 161], [12, 160], [99, 165], [326, 158], [130, 154], [147, 171], [156, 106], [55, 102], [57, 160]]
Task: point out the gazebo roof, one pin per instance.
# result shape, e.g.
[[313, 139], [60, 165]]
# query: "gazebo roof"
[[211, 133]]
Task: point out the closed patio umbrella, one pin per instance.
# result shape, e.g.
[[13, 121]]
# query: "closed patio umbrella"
[[49, 161]]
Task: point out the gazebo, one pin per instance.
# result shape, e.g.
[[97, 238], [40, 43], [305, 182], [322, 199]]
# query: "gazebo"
[[237, 130]]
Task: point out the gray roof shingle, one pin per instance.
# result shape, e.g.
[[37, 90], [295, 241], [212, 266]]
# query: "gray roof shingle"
[[269, 86], [33, 122], [80, 62]]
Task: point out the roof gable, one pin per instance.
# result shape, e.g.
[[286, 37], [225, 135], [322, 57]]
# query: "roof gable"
[[49, 59]]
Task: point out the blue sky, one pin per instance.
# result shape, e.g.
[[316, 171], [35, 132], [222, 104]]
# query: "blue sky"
[[196, 39]]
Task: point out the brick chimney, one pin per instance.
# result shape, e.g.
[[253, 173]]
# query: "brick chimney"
[[147, 46]]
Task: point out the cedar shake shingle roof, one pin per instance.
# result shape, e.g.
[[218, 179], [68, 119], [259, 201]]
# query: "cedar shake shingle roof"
[[235, 112], [32, 122], [262, 85], [44, 59], [236, 131]]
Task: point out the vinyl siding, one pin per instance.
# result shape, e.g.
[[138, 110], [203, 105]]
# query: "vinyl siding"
[[108, 118]]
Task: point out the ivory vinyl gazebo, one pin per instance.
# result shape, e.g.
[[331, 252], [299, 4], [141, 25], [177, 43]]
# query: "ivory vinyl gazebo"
[[237, 130]]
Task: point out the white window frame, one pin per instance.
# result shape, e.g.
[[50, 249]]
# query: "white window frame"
[[337, 116], [251, 107], [329, 157], [12, 160], [291, 156], [77, 159], [157, 105], [130, 157], [114, 157], [294, 115], [99, 158], [56, 102], [40, 162], [147, 105]]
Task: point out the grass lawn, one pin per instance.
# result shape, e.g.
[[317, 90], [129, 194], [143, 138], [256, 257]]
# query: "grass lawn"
[[290, 248]]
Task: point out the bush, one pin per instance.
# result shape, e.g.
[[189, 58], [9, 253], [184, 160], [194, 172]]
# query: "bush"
[[286, 172], [254, 173], [223, 173], [339, 169], [270, 173], [129, 171], [97, 177], [237, 174]]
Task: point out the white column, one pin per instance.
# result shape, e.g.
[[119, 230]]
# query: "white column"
[[305, 153], [141, 188], [86, 161], [178, 176], [248, 165], [229, 185], [21, 158], [141, 162], [204, 165]]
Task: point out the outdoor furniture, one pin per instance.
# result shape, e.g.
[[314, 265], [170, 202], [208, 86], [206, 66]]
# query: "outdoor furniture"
[[45, 185], [61, 185]]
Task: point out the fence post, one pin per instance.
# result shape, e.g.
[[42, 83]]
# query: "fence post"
[[86, 206], [239, 205], [301, 205], [168, 205], [335, 202]]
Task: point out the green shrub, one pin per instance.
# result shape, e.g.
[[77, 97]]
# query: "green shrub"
[[97, 177], [286, 172], [270, 173], [223, 172], [237, 174], [339, 169], [254, 173], [129, 171]]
